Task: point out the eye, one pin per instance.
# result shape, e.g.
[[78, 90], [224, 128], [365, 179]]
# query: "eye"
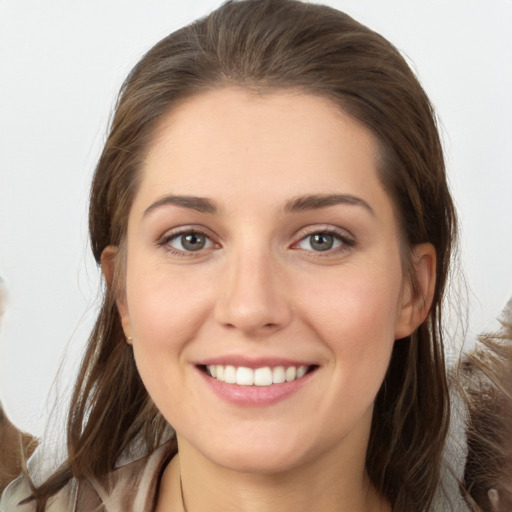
[[319, 242], [188, 241], [324, 241]]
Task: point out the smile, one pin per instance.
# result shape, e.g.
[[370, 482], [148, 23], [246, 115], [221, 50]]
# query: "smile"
[[263, 376], [245, 383]]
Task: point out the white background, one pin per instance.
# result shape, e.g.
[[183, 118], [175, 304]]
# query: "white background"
[[61, 64]]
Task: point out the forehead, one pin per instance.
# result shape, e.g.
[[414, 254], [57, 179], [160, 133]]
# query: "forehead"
[[235, 142]]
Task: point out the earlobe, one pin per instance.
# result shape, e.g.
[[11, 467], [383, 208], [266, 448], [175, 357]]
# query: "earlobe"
[[108, 266], [417, 300]]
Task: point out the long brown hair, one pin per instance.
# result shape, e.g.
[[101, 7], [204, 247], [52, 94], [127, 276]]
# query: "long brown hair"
[[264, 45]]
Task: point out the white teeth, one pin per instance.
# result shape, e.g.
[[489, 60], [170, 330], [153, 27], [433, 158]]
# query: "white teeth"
[[301, 371], [230, 374], [291, 373], [264, 376], [244, 376], [278, 375]]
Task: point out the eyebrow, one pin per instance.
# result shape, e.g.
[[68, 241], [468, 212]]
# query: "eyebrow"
[[297, 204], [200, 204], [318, 201]]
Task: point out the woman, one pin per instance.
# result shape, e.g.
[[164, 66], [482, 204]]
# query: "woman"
[[274, 225]]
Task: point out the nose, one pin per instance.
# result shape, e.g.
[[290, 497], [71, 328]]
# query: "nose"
[[254, 297]]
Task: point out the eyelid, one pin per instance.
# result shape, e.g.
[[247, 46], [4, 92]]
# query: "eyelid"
[[163, 241], [347, 239]]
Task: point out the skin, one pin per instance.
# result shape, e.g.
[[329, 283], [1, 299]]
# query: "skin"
[[260, 289]]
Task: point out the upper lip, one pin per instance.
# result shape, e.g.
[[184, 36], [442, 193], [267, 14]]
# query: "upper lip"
[[253, 363]]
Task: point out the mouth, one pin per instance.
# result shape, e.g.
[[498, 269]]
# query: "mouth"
[[261, 376]]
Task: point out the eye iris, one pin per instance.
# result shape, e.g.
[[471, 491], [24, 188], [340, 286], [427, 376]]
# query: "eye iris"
[[193, 241], [321, 242]]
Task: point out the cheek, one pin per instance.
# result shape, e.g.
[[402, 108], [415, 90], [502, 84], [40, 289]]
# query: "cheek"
[[355, 315], [166, 311], [364, 304], [165, 307]]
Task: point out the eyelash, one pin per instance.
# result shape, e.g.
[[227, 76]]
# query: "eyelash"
[[166, 240], [345, 241]]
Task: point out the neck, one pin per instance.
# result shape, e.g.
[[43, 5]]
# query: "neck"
[[327, 484]]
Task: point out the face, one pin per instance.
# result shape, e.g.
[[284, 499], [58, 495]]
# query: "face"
[[264, 288]]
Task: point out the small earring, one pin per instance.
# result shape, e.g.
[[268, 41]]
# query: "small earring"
[[129, 339]]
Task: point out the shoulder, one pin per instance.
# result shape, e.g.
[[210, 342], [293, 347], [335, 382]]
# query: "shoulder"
[[15, 493], [16, 497], [131, 486]]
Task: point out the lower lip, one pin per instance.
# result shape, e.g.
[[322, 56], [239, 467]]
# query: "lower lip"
[[255, 396]]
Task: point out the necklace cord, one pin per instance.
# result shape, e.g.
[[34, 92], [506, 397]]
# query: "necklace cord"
[[181, 494]]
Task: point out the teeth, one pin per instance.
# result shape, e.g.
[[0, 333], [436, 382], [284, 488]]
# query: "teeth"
[[230, 374], [278, 375], [301, 371], [290, 373], [264, 376], [244, 376]]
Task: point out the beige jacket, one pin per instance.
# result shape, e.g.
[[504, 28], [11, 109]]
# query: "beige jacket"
[[130, 488]]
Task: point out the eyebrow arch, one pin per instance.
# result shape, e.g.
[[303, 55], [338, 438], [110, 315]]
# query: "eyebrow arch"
[[200, 204], [297, 204], [317, 201]]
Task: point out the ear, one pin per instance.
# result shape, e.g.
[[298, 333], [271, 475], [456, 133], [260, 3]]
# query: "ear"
[[416, 300], [108, 266]]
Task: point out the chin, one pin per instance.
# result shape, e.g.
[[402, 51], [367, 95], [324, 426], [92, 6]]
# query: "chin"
[[257, 461], [263, 454]]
